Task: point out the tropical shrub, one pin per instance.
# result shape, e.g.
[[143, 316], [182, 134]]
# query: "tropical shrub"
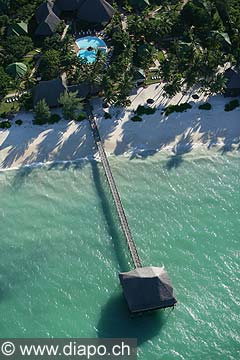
[[5, 124], [232, 105], [71, 104], [54, 118], [177, 108], [4, 83], [206, 106], [81, 116], [136, 118], [42, 113], [27, 101], [145, 110], [50, 64]]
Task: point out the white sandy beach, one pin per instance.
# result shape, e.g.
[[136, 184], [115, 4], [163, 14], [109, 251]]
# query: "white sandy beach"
[[177, 133]]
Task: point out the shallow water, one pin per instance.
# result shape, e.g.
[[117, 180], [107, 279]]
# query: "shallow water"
[[62, 249]]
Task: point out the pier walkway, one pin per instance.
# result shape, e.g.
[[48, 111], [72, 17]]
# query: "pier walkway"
[[115, 194]]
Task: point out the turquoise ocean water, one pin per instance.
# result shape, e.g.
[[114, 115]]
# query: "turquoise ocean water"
[[61, 250]]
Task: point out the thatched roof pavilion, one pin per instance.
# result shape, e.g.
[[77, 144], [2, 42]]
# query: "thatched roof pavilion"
[[147, 288]]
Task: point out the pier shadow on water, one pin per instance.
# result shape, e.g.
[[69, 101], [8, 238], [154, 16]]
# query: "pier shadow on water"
[[115, 319], [110, 215], [117, 322]]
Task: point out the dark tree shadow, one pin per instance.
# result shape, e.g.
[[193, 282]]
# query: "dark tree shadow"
[[116, 322], [184, 146], [21, 176], [174, 162]]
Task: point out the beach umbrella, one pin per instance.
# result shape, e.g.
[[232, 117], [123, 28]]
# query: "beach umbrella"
[[16, 70]]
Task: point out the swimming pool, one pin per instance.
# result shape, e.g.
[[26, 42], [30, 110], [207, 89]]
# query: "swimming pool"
[[88, 47]]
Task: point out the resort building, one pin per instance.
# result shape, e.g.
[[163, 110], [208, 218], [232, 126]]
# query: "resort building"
[[45, 9], [68, 5], [47, 19], [49, 91], [95, 11]]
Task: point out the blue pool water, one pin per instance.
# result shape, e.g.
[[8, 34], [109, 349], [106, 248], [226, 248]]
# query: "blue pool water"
[[90, 42]]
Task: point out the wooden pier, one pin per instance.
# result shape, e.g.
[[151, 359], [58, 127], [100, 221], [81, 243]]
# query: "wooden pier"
[[115, 194]]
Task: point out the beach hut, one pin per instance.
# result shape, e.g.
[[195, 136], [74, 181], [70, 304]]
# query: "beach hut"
[[48, 26], [147, 288], [95, 11], [45, 9], [16, 70], [20, 28], [50, 91], [233, 82]]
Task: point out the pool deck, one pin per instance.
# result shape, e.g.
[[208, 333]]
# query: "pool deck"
[[76, 48]]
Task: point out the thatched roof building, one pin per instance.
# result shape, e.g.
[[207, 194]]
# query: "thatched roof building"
[[84, 89], [68, 5], [95, 11], [45, 9], [48, 26], [50, 91], [147, 288]]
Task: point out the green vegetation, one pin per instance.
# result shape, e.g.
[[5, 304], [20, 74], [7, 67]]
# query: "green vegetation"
[[82, 116], [4, 83], [27, 101], [54, 118], [232, 105], [42, 113], [5, 125], [177, 108], [8, 108], [206, 106], [190, 40], [18, 122], [16, 47], [145, 110], [71, 105], [50, 65], [136, 118]]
